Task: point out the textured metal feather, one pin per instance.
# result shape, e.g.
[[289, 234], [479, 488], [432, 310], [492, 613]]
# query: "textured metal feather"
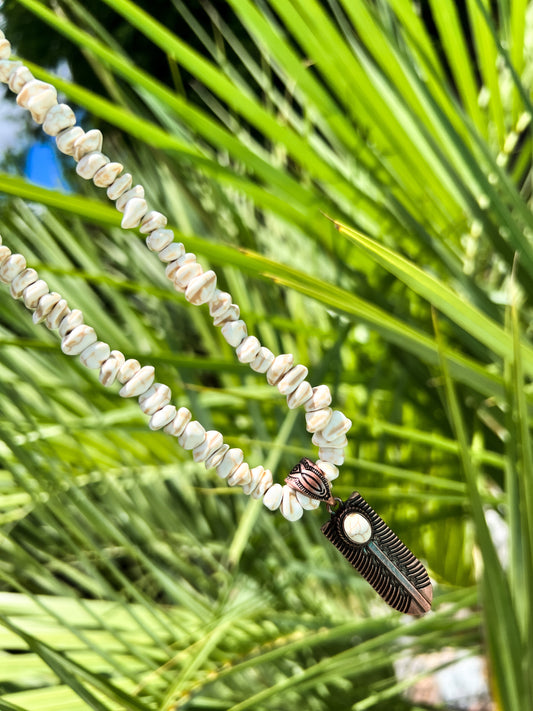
[[382, 559]]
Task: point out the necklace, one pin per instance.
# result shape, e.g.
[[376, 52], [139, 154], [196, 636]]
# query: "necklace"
[[354, 528]]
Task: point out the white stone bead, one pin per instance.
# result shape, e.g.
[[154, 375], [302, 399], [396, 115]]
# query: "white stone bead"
[[320, 398], [78, 339], [73, 319], [134, 211], [12, 267], [255, 474], [152, 221], [45, 306], [234, 332], [21, 281], [290, 381], [213, 441], [162, 417], [280, 365], [232, 459], [106, 175], [139, 383], [57, 314], [357, 528], [306, 503], [136, 192], [7, 67], [88, 143], [119, 186], [66, 139], [331, 454], [240, 476], [155, 397], [172, 267], [263, 360], [5, 48], [175, 252], [220, 302], [95, 354], [109, 368], [128, 370], [214, 459], [90, 164], [185, 274], [329, 470], [5, 253], [193, 435], [248, 349], [318, 419], [159, 239], [32, 89], [263, 485], [180, 421], [201, 288], [232, 313], [59, 118], [41, 104], [33, 293], [290, 507], [18, 78], [273, 496], [338, 425], [320, 441]]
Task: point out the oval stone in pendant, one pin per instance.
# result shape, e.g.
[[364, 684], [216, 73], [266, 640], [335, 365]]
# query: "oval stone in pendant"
[[357, 528]]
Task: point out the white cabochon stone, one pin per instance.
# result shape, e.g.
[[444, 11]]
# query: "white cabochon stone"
[[357, 528]]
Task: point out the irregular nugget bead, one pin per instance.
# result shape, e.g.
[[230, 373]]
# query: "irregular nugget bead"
[[12, 267], [255, 474], [332, 454], [5, 48], [139, 383], [88, 143], [119, 186], [213, 442], [66, 139], [128, 370], [159, 239], [302, 393], [17, 78], [185, 274], [134, 211], [162, 417], [220, 301], [338, 425], [306, 503], [232, 313], [152, 221], [32, 89], [329, 470], [7, 67], [78, 339], [193, 435], [232, 459], [248, 349], [214, 459], [272, 498], [318, 419], [59, 118], [105, 175], [110, 368], [5, 253], [175, 253], [180, 421], [290, 507], [234, 332], [41, 104], [320, 441], [45, 306], [21, 281], [95, 354], [136, 192], [290, 381], [73, 319], [90, 164], [263, 360], [201, 288], [240, 476], [280, 365], [34, 292], [263, 485], [57, 314], [320, 398], [155, 397]]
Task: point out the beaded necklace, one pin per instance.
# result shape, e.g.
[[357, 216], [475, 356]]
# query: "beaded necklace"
[[354, 528]]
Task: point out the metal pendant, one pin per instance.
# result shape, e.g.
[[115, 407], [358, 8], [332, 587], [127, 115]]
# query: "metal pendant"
[[374, 550]]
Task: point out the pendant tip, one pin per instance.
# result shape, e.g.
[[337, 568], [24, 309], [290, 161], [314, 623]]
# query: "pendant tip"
[[422, 603]]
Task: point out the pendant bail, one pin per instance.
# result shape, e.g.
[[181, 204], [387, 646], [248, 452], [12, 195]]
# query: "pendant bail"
[[307, 478]]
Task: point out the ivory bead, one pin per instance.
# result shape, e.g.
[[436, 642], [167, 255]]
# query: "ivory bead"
[[219, 302], [240, 476], [263, 360], [32, 89], [78, 339], [184, 275], [302, 393], [45, 306], [248, 349], [232, 459], [232, 313], [5, 49], [175, 252], [159, 239], [33, 293], [128, 370], [201, 288], [12, 267], [331, 454], [290, 507], [193, 435], [320, 441], [71, 321], [318, 419], [7, 67], [88, 143], [234, 332], [136, 192], [152, 221], [5, 253], [290, 381], [66, 139], [357, 527], [90, 164], [255, 474], [119, 186], [263, 485], [109, 368], [180, 421], [59, 118], [213, 442], [306, 503], [57, 314], [328, 469], [280, 365], [18, 78], [134, 211], [155, 397], [139, 383], [162, 417], [105, 175], [41, 104], [320, 398], [273, 496], [95, 354], [214, 459], [338, 425], [21, 281], [172, 267]]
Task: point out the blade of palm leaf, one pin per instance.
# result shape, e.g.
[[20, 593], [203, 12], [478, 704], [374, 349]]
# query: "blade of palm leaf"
[[516, 43], [500, 620]]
